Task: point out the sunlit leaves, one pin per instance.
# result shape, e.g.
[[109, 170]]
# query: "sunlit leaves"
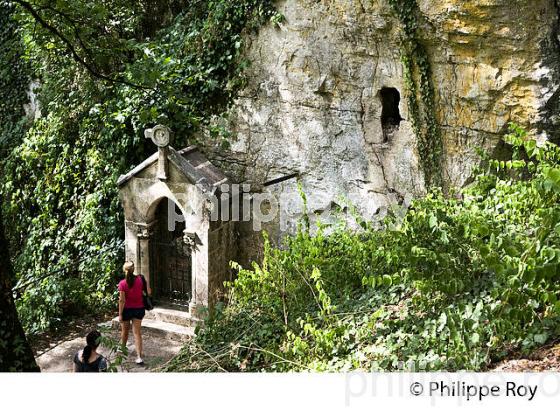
[[459, 284]]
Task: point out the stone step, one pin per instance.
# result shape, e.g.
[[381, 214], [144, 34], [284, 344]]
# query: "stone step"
[[165, 330], [169, 315], [170, 331]]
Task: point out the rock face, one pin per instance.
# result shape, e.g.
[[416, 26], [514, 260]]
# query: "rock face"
[[493, 62], [314, 107]]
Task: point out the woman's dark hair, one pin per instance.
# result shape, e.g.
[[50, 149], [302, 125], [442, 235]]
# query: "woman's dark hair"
[[93, 339], [128, 269]]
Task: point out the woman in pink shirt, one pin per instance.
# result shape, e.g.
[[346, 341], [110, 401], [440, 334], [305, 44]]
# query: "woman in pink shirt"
[[131, 307]]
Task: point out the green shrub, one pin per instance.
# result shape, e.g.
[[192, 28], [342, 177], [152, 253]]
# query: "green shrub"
[[458, 283]]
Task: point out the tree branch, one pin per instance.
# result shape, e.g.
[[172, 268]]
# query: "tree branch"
[[53, 30]]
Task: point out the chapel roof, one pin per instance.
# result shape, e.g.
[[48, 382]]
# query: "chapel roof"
[[196, 168]]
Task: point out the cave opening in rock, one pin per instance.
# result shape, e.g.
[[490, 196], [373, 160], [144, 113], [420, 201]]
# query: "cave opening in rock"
[[390, 115]]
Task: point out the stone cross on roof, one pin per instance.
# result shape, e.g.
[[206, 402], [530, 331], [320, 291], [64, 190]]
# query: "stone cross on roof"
[[161, 136]]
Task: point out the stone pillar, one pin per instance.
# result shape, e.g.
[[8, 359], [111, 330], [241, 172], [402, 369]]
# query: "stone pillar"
[[131, 242], [162, 163], [143, 235], [198, 274]]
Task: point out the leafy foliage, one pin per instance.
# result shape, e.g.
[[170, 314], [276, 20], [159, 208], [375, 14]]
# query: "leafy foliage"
[[117, 353], [107, 70], [14, 81], [457, 283]]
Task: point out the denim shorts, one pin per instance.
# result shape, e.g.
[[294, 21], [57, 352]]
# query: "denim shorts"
[[133, 313]]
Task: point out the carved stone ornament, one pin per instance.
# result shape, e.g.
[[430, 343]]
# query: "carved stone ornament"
[[144, 231], [189, 238], [160, 135]]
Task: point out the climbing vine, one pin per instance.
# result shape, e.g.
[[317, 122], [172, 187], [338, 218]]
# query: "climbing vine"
[[420, 92]]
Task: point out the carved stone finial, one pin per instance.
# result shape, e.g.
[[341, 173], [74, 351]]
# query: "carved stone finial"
[[160, 135]]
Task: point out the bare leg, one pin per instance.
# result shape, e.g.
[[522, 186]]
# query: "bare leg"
[[137, 330], [125, 329]]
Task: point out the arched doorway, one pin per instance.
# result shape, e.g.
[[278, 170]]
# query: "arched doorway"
[[170, 258], [187, 264]]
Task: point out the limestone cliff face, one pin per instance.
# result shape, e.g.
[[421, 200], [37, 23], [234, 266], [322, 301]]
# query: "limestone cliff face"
[[493, 61], [314, 103]]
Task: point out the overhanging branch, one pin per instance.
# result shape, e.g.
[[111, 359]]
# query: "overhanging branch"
[[76, 56]]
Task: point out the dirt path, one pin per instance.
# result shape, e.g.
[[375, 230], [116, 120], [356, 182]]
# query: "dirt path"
[[54, 352], [58, 354], [544, 359]]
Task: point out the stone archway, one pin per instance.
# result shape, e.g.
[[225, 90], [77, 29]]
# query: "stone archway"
[[188, 263], [171, 257]]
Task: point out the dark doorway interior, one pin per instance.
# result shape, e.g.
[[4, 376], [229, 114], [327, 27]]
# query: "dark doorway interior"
[[390, 115], [170, 260]]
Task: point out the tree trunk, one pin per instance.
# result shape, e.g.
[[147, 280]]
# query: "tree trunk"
[[15, 352]]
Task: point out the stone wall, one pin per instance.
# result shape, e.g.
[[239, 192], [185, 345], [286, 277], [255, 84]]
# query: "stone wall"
[[312, 104], [222, 250]]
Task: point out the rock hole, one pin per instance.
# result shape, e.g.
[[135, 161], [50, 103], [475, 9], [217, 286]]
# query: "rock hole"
[[390, 115]]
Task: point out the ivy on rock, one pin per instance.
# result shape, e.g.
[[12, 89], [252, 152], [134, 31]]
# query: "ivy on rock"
[[421, 99]]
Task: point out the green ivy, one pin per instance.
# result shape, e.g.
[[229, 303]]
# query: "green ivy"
[[456, 284], [14, 80], [421, 99], [115, 70]]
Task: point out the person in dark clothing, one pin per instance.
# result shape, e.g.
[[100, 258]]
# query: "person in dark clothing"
[[88, 360]]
